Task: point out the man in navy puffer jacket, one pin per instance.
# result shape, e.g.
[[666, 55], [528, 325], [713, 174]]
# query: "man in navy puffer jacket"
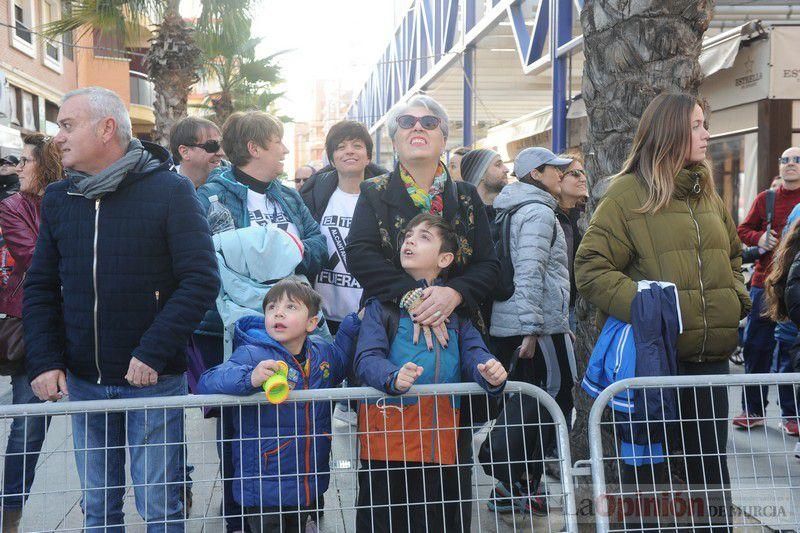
[[123, 270]]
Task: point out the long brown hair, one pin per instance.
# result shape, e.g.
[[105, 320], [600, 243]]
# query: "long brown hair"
[[48, 162], [775, 285], [658, 153]]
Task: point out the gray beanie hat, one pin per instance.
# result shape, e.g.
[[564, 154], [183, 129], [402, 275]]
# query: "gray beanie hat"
[[474, 164]]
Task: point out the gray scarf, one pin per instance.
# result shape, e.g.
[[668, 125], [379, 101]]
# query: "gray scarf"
[[136, 159]]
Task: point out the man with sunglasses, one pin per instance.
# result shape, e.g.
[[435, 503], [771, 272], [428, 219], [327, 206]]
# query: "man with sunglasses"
[[196, 146], [763, 227]]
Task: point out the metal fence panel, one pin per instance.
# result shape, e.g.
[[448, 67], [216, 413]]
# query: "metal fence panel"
[[178, 483], [679, 464]]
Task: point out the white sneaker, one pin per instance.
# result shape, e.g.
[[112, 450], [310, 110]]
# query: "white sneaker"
[[797, 450]]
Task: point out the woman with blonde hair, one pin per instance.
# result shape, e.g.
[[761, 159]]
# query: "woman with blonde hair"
[[662, 220], [39, 166]]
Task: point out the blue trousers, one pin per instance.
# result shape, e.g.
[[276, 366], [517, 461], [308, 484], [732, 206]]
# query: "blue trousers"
[[155, 443], [759, 345], [24, 443], [782, 363]]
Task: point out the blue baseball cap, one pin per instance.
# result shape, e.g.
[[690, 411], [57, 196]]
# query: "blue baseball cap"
[[532, 158]]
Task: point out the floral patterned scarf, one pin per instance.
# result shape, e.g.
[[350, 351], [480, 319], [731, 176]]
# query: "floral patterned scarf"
[[430, 201]]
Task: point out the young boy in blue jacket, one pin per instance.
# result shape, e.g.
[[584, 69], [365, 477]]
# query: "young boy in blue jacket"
[[281, 452], [409, 445]]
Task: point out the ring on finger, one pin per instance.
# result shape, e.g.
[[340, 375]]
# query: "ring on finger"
[[437, 314]]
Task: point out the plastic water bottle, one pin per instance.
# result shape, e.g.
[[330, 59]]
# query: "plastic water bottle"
[[219, 217]]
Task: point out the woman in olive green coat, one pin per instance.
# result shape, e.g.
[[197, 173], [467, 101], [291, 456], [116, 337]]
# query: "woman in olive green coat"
[[662, 220]]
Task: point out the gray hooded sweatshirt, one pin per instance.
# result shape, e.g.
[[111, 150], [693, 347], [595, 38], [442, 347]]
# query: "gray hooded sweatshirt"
[[540, 304]]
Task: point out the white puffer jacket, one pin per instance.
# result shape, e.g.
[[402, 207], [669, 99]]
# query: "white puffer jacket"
[[540, 304]]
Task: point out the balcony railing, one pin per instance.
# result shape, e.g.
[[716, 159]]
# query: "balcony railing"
[[141, 89]]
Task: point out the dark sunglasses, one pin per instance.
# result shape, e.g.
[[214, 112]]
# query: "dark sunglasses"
[[429, 122], [212, 146], [786, 160]]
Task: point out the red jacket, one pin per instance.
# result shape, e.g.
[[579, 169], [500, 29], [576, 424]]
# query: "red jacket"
[[19, 220], [754, 226]]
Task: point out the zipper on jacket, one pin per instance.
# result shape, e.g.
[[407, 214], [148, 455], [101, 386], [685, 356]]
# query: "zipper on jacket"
[[306, 385], [434, 433], [96, 301], [19, 285], [158, 305], [700, 275]]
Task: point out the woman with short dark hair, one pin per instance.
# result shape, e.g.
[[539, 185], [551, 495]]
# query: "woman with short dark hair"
[[331, 197], [39, 166]]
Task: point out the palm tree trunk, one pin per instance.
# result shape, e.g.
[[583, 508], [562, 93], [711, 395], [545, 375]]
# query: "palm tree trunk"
[[223, 106], [634, 49], [172, 60]]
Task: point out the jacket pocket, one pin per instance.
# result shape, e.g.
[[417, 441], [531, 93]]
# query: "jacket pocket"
[[275, 454]]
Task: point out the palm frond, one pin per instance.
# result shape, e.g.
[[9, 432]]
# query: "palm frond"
[[123, 19]]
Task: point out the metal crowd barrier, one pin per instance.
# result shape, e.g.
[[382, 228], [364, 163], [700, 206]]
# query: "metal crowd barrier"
[[686, 468], [449, 490]]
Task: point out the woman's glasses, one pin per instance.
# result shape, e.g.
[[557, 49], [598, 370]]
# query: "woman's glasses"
[[429, 122], [22, 162], [212, 146], [576, 173], [786, 160]]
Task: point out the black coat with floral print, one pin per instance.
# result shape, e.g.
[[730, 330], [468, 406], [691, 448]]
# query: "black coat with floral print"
[[373, 245]]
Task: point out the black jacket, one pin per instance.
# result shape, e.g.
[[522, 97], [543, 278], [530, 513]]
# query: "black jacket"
[[8, 186], [792, 292], [569, 224], [319, 188], [141, 254], [373, 245]]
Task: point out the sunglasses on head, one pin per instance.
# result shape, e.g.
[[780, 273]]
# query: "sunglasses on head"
[[787, 160], [211, 146], [429, 122]]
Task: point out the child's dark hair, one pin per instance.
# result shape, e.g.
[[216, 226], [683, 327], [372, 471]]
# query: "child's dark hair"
[[296, 290], [445, 229], [775, 285]]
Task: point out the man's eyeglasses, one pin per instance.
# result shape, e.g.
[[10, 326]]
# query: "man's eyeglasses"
[[787, 160], [429, 122], [212, 146]]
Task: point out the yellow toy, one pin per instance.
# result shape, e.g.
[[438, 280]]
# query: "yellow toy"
[[276, 387]]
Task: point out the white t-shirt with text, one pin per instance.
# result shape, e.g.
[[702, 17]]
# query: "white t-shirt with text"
[[339, 289], [263, 212]]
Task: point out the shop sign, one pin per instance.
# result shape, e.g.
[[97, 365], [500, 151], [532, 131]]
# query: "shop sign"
[[786, 61]]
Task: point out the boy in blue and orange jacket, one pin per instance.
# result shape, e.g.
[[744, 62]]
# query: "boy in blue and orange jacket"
[[281, 452], [409, 445]]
